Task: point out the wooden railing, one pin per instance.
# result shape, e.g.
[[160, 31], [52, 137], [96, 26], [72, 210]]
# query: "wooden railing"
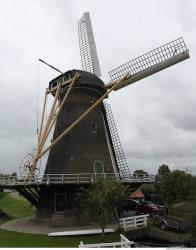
[[79, 178], [134, 222], [125, 243]]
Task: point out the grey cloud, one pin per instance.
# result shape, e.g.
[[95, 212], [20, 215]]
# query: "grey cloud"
[[155, 117]]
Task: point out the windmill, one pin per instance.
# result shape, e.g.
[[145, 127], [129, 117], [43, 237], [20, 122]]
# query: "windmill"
[[85, 144]]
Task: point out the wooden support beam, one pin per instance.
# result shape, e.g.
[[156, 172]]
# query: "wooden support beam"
[[51, 120], [57, 112], [51, 114], [80, 118], [42, 117], [38, 148], [23, 191]]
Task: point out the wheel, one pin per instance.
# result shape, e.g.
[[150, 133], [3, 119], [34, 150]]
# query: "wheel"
[[163, 226], [26, 166]]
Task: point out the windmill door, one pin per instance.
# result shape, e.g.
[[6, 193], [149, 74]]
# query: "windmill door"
[[60, 202], [99, 169]]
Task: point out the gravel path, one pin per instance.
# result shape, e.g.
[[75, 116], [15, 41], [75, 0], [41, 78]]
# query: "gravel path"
[[30, 225]]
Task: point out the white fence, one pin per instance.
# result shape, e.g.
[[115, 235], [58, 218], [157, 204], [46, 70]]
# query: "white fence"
[[125, 243], [134, 222], [48, 179]]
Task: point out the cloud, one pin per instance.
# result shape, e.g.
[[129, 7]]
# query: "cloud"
[[155, 117]]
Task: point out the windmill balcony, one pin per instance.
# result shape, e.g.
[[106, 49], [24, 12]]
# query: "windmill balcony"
[[80, 178]]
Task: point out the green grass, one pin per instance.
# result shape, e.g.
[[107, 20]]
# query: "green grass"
[[14, 239], [15, 208], [1, 221], [182, 210], [18, 207], [2, 195], [182, 235]]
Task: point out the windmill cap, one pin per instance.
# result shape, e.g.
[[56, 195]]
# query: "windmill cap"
[[85, 79]]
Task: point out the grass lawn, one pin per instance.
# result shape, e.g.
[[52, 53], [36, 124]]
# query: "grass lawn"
[[18, 207], [1, 221], [182, 209], [184, 235], [15, 208], [14, 239], [2, 195], [185, 210]]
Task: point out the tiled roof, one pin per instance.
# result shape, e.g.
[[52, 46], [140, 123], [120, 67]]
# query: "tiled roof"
[[137, 194]]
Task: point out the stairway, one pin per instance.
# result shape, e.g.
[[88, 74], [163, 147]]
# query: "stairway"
[[115, 141]]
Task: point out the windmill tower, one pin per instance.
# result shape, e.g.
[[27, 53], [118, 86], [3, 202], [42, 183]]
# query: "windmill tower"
[[89, 147], [85, 142]]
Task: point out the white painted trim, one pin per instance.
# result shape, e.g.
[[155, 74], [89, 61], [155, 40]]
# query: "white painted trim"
[[81, 232]]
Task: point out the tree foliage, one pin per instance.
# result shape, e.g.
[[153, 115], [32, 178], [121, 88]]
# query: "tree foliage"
[[139, 172], [163, 171], [14, 174], [148, 189], [176, 187], [193, 222], [101, 200]]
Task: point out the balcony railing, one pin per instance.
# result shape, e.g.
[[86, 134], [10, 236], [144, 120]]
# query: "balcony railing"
[[80, 178]]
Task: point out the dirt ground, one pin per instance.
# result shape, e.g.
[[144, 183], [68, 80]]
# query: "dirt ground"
[[30, 225]]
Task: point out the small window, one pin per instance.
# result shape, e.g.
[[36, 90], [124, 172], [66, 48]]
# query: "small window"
[[94, 128], [91, 100]]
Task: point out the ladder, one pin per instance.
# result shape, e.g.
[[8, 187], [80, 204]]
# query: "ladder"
[[119, 156]]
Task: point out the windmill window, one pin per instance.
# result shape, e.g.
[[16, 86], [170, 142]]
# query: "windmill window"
[[91, 99], [94, 128]]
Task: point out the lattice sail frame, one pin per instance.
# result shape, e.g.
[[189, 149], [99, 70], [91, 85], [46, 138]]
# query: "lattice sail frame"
[[88, 51], [120, 158], [150, 59]]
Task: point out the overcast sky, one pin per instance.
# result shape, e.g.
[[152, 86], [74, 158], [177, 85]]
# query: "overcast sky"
[[155, 117]]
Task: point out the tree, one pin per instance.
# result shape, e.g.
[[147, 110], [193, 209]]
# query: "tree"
[[177, 186], [163, 171], [193, 223], [14, 174], [139, 172], [101, 201], [148, 189], [192, 217]]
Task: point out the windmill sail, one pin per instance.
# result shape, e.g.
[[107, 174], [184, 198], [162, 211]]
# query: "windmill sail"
[[115, 141], [150, 63], [87, 45]]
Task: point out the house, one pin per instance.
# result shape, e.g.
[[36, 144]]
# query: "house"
[[137, 195]]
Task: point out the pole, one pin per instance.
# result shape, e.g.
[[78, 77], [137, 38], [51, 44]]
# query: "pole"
[[42, 118], [50, 66]]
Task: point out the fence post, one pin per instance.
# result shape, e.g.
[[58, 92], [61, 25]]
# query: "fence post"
[[48, 180], [145, 221], [135, 224], [13, 180], [124, 225], [81, 244], [92, 178]]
